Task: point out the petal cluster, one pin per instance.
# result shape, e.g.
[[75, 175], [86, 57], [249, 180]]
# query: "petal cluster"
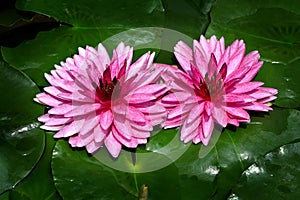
[[96, 100], [214, 87]]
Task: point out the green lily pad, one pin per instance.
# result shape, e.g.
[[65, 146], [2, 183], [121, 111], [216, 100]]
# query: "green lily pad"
[[21, 141], [39, 184], [219, 171], [74, 171], [270, 27], [286, 78], [274, 176], [4, 196], [216, 174], [88, 24]]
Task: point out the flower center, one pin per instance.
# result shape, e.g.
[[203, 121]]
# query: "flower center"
[[210, 89], [105, 89]]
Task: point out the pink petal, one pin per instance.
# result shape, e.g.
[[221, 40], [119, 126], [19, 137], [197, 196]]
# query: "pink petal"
[[57, 120], [140, 98], [48, 99], [220, 115], [99, 134], [197, 137], [183, 54], [83, 109], [69, 129], [234, 122], [257, 106], [267, 99], [155, 89], [201, 58], [176, 112], [64, 84], [175, 97], [239, 73], [55, 91], [151, 109], [172, 123], [61, 109], [189, 130], [135, 115], [238, 113], [106, 118], [212, 66], [263, 93], [131, 143], [207, 127], [93, 146], [97, 58], [233, 56], [112, 145], [89, 124], [238, 98], [122, 126], [75, 141], [52, 128], [252, 73], [44, 118], [246, 87], [103, 57], [87, 138], [63, 74], [140, 64], [127, 131], [195, 113]]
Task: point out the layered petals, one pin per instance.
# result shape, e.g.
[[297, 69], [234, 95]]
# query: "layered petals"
[[100, 101], [214, 87]]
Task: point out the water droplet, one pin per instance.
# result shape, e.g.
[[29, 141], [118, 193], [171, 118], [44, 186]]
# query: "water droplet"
[[213, 170]]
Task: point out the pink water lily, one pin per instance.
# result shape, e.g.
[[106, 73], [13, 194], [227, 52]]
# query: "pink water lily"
[[98, 101], [213, 87]]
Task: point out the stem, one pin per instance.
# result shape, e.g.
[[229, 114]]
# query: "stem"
[[135, 182]]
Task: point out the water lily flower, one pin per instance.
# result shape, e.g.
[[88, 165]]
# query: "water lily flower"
[[98, 101], [213, 87]]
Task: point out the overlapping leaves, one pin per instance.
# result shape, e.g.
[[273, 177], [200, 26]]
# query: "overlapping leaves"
[[21, 141]]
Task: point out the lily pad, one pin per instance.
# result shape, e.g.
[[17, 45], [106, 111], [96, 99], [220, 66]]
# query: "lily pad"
[[39, 184], [286, 78], [274, 176], [272, 28], [21, 141], [215, 175], [88, 24], [74, 171], [268, 26], [219, 171]]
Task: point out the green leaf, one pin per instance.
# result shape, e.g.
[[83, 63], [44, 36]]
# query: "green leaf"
[[286, 78], [239, 149], [39, 184], [274, 176], [216, 174], [197, 176], [88, 24], [4, 196], [268, 26], [21, 141], [74, 171], [8, 17], [219, 171]]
